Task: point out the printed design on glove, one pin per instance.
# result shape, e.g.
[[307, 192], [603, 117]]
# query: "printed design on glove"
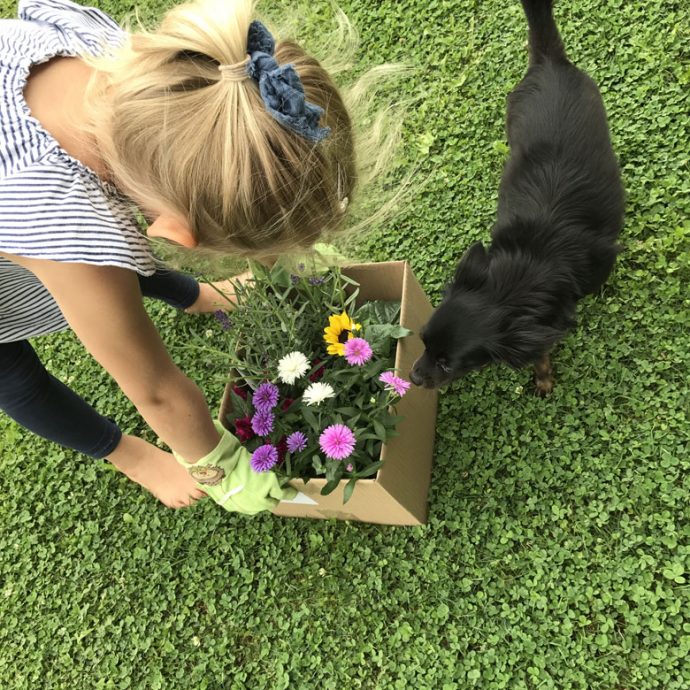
[[208, 475]]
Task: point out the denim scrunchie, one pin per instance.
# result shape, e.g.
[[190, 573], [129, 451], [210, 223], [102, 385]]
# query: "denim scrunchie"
[[281, 88]]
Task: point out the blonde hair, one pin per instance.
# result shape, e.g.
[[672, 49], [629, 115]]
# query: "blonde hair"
[[176, 133]]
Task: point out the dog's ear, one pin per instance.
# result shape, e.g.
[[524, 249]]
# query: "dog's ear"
[[473, 268]]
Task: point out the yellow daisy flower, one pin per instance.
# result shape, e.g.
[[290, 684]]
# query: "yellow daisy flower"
[[338, 331]]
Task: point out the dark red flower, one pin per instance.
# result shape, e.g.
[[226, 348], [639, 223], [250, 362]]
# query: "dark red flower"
[[319, 372], [240, 391], [282, 448], [243, 429], [286, 404]]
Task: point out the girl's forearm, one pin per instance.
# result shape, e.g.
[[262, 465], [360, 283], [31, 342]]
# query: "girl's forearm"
[[179, 415]]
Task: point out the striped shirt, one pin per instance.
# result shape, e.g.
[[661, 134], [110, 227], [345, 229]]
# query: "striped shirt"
[[51, 205]]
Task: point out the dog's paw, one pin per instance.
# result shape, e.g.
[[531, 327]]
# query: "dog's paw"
[[543, 387]]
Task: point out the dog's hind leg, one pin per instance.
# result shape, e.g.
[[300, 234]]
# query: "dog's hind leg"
[[543, 376]]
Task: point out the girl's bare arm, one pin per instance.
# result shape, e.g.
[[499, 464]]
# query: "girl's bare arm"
[[103, 306]]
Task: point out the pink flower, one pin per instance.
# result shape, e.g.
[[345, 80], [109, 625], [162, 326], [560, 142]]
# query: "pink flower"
[[357, 351], [337, 442], [394, 383]]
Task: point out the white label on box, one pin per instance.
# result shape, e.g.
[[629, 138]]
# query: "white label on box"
[[303, 499]]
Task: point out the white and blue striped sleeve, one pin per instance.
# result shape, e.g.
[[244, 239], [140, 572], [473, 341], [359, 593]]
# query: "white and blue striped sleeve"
[[49, 212], [91, 26]]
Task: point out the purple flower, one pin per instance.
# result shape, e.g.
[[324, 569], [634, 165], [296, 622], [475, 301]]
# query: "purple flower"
[[394, 383], [357, 351], [301, 267], [265, 397], [264, 458], [223, 319], [294, 279], [337, 442], [262, 422], [350, 467], [296, 442], [316, 281]]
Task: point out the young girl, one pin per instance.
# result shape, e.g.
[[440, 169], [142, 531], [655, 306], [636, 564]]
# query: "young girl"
[[221, 145]]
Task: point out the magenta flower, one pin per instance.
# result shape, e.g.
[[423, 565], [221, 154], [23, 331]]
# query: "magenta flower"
[[296, 442], [350, 467], [262, 422], [337, 442], [265, 397], [394, 383], [264, 458], [357, 351]]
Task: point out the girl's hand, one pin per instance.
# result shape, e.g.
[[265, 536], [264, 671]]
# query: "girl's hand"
[[215, 296]]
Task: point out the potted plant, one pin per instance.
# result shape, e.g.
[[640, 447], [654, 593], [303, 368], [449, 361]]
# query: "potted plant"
[[318, 360]]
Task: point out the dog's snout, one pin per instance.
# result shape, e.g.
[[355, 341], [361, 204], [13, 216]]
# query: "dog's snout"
[[415, 377]]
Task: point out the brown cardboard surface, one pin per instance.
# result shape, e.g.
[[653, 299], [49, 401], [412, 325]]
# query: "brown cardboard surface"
[[398, 493]]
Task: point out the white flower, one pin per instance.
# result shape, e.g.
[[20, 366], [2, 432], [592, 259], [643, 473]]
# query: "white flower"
[[317, 393], [292, 367]]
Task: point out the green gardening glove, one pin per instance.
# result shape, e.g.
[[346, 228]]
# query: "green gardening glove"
[[227, 477]]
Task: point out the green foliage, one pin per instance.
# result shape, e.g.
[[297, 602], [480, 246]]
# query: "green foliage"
[[558, 548]]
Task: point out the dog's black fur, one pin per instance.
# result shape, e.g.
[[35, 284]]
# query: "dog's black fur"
[[560, 210]]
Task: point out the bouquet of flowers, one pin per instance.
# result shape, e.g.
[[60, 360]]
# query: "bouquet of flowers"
[[314, 388]]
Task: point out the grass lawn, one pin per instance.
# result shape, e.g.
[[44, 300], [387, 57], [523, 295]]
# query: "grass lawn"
[[557, 553]]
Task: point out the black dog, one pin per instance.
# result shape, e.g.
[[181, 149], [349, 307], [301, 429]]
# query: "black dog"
[[560, 211]]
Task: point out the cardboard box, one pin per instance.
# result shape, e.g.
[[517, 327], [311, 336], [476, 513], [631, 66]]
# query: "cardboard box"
[[397, 495]]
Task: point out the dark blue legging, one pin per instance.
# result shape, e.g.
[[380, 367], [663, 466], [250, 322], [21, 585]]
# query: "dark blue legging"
[[38, 401]]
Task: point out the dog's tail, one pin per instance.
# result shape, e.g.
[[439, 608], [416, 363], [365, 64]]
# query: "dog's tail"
[[544, 40]]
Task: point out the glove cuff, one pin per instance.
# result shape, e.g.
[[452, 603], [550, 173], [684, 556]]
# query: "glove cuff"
[[208, 470]]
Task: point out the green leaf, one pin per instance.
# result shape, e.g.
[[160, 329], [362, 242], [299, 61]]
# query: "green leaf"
[[318, 464], [379, 430], [347, 411], [349, 488], [330, 487], [369, 471], [240, 407], [310, 418], [280, 276], [380, 312], [351, 299]]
